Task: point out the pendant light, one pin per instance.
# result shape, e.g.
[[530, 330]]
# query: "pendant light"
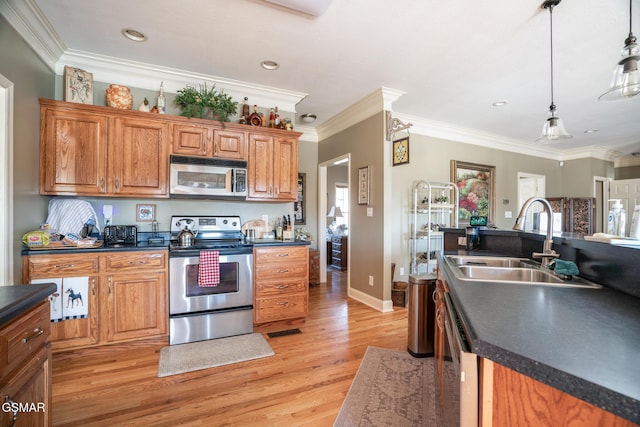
[[553, 127], [626, 76]]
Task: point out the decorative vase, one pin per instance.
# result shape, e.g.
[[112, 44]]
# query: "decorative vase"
[[119, 97]]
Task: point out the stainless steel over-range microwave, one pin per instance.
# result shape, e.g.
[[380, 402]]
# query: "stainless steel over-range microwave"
[[201, 177]]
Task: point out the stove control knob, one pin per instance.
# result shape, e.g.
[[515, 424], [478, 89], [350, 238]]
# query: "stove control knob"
[[225, 221], [235, 224]]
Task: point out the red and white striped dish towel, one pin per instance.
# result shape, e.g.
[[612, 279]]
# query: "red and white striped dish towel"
[[209, 270]]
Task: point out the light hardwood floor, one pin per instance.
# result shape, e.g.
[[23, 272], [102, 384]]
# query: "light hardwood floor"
[[304, 384]]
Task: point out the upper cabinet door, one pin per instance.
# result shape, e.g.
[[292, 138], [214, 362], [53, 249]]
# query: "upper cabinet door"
[[260, 182], [229, 144], [285, 168], [73, 152], [191, 140], [139, 157]]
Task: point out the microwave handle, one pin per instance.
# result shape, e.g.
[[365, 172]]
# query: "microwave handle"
[[230, 182]]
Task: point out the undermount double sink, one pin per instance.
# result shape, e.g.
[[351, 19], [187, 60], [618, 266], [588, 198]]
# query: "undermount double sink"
[[521, 271]]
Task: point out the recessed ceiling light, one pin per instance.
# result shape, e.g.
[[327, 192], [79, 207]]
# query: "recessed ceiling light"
[[269, 65], [134, 35], [308, 118], [500, 103], [591, 131]]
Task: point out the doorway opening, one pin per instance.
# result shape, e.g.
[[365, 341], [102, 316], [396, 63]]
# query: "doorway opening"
[[532, 185], [6, 180], [334, 182]]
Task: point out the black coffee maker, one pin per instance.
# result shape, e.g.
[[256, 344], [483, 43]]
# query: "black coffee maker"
[[473, 232]]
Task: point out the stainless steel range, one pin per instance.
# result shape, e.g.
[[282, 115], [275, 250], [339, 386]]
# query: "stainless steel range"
[[198, 312]]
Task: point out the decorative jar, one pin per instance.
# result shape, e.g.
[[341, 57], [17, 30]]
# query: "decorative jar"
[[119, 97]]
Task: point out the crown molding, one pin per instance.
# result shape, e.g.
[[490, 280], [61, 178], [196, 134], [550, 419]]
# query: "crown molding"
[[447, 131], [627, 161], [376, 102], [28, 20], [147, 76]]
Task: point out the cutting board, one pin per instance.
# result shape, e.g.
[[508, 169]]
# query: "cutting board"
[[259, 225]]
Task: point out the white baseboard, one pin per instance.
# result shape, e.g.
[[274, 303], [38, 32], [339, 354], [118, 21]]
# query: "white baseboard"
[[384, 306]]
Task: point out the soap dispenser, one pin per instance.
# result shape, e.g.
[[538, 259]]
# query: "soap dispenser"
[[617, 218]]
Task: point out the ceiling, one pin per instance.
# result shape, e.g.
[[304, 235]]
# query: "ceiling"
[[451, 59]]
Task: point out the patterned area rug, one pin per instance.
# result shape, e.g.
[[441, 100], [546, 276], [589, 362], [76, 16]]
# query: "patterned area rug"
[[178, 359], [391, 388]]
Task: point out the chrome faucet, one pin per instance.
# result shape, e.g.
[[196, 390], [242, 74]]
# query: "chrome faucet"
[[547, 250]]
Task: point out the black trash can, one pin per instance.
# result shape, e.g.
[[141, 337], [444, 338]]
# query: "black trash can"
[[421, 315]]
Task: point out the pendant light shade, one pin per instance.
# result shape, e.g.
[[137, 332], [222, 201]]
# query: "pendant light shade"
[[626, 76], [553, 128]]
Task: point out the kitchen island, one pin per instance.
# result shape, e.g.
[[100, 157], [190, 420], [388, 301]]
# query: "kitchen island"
[[25, 371], [584, 342]]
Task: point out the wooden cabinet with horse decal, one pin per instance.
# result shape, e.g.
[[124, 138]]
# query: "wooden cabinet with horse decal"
[[103, 297]]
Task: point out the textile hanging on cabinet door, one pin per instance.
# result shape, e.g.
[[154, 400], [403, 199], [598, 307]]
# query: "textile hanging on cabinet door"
[[70, 300]]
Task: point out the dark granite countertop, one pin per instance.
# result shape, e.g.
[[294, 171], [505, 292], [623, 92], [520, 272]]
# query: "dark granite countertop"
[[145, 246], [140, 246], [17, 299], [274, 242], [584, 342]]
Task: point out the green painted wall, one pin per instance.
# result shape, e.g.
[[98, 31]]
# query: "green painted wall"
[[32, 79], [365, 142]]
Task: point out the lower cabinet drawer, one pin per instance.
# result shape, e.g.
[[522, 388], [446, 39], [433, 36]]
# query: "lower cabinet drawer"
[[134, 261], [24, 337], [272, 288], [62, 265], [281, 307], [282, 271]]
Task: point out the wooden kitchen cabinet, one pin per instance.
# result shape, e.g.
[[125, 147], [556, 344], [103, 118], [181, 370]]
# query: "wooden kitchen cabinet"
[[127, 295], [70, 333], [98, 151], [273, 167], [229, 144], [281, 277], [138, 157], [190, 139], [439, 350], [73, 151], [25, 367], [509, 398], [208, 141]]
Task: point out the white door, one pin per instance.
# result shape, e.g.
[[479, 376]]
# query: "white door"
[[628, 191], [530, 185]]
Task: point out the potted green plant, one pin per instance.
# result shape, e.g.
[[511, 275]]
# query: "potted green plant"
[[205, 102]]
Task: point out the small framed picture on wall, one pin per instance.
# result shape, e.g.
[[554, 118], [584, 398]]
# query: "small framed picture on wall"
[[363, 185], [145, 213]]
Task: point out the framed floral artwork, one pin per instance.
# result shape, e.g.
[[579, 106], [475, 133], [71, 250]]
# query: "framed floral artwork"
[[146, 213], [476, 189], [78, 85]]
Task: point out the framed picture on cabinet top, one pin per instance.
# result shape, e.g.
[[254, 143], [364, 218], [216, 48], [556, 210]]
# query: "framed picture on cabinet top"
[[78, 85], [401, 151], [363, 185]]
